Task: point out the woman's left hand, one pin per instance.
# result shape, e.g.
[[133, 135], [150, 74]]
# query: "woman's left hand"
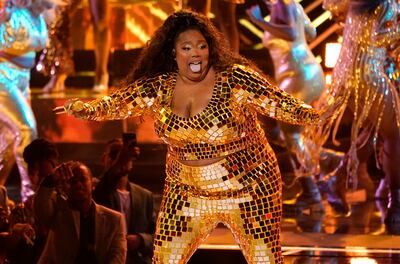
[[254, 13], [331, 111]]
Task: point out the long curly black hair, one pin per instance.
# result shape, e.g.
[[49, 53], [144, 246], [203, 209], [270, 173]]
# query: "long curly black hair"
[[158, 57]]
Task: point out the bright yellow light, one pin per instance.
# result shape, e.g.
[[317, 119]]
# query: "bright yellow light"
[[251, 27], [321, 19], [328, 78], [363, 261], [332, 51], [157, 12]]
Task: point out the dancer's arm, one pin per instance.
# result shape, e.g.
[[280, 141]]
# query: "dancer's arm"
[[255, 90], [284, 31], [134, 100], [309, 29]]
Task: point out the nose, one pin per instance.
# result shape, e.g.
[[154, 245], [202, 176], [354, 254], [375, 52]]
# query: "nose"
[[196, 53]]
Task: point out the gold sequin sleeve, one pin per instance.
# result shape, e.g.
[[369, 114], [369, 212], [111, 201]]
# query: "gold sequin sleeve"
[[252, 89], [135, 100]]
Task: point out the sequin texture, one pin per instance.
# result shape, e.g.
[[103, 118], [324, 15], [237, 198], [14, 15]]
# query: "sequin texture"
[[242, 189]]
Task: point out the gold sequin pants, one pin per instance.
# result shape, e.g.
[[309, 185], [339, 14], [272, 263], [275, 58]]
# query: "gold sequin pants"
[[242, 191]]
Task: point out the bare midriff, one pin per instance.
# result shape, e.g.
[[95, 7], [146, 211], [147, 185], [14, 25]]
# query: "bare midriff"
[[26, 60], [203, 162]]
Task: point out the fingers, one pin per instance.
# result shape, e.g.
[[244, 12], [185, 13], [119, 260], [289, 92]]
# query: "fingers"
[[59, 110], [64, 172], [28, 234], [72, 107], [254, 12], [24, 230]]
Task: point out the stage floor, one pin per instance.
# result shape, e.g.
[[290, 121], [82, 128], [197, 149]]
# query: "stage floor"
[[306, 238]]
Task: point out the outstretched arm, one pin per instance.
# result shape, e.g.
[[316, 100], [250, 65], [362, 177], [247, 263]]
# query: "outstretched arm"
[[309, 29], [255, 90], [133, 100], [284, 31]]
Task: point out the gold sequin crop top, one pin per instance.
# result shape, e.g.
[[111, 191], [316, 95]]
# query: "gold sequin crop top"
[[226, 125], [22, 32]]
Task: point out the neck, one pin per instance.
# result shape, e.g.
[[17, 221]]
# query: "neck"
[[82, 206], [123, 183]]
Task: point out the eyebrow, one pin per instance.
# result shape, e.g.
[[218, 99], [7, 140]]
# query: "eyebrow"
[[190, 42]]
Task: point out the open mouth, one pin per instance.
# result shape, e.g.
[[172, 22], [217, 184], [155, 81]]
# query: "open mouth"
[[195, 66]]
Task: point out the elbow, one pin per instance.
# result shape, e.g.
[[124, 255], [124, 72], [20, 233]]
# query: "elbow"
[[292, 35], [311, 34]]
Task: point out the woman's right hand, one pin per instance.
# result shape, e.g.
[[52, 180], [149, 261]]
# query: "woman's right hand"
[[73, 107]]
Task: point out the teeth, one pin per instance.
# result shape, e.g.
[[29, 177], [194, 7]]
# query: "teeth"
[[195, 67]]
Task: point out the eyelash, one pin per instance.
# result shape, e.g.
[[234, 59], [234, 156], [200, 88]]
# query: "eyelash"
[[201, 47]]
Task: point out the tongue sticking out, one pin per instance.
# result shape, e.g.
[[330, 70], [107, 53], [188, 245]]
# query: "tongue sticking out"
[[195, 67]]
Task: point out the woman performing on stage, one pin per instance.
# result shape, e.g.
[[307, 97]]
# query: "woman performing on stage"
[[220, 168]]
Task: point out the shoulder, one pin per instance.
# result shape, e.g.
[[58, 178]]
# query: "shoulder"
[[243, 71], [152, 84], [107, 212], [154, 78], [139, 189]]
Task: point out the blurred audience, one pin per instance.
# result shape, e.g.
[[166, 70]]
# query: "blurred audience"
[[135, 202], [3, 197], [41, 157], [12, 235], [80, 231], [23, 236]]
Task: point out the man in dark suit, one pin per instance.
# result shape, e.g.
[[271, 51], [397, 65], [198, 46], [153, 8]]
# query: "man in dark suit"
[[81, 231], [135, 202]]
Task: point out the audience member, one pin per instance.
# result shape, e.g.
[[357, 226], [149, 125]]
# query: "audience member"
[[41, 157], [3, 197], [136, 203], [80, 231], [12, 235]]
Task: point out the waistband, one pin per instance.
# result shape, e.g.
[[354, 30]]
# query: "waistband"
[[199, 151]]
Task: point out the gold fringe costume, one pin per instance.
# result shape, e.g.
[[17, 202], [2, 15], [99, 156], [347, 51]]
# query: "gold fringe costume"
[[242, 190], [359, 76]]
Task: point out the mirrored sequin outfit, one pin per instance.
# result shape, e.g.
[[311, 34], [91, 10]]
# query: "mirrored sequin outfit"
[[359, 76], [243, 189], [21, 35], [298, 73]]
